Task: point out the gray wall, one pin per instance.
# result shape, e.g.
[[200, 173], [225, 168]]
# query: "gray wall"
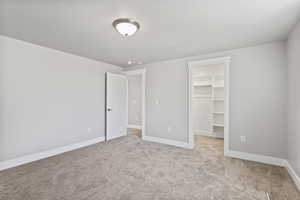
[[48, 98], [293, 47], [135, 100], [258, 82]]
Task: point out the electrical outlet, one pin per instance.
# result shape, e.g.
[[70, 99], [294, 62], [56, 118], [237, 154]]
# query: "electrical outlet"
[[169, 129], [243, 139], [156, 101], [89, 130]]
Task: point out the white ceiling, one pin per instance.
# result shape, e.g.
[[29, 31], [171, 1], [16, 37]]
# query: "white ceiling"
[[169, 28]]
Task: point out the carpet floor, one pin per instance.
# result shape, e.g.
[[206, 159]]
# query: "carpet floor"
[[129, 168]]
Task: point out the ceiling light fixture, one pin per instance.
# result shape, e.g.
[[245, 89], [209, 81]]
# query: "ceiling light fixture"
[[125, 26]]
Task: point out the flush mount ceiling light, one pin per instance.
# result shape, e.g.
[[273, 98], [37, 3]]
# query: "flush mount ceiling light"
[[125, 26]]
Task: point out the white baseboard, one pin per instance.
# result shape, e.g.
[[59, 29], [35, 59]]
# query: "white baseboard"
[[267, 160], [234, 154], [45, 154], [134, 126], [116, 136], [257, 158], [168, 142], [293, 174]]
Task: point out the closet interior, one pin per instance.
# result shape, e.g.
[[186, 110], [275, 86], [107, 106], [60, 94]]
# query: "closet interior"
[[208, 100]]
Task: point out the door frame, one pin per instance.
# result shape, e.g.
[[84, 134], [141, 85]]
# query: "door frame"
[[141, 72], [105, 106], [218, 60]]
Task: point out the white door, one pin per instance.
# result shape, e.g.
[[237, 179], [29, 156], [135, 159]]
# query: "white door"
[[116, 105]]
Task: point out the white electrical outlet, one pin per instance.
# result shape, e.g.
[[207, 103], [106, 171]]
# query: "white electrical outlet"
[[89, 130], [156, 101], [243, 139], [169, 129]]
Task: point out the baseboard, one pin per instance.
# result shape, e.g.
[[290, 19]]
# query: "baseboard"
[[267, 160], [168, 142], [234, 154], [116, 136], [134, 126], [45, 154], [257, 158], [293, 174]]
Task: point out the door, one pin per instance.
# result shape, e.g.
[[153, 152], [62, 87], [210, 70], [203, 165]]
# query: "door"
[[116, 106]]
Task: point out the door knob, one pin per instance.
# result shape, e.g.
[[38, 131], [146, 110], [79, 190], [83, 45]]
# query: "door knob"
[[108, 109]]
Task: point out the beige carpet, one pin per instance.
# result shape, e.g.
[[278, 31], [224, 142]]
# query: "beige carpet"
[[131, 169]]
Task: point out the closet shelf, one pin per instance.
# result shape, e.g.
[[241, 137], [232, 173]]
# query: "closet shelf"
[[202, 85], [219, 113], [219, 125], [218, 99], [208, 85], [202, 96], [218, 86]]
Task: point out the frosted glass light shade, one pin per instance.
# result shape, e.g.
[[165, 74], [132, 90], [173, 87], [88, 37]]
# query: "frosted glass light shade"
[[126, 27]]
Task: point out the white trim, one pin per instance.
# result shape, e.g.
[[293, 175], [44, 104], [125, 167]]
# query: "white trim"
[[226, 61], [257, 158], [117, 75], [143, 73], [144, 103], [116, 136], [190, 102], [267, 160], [45, 154], [127, 106], [168, 142], [226, 103], [134, 126], [293, 174]]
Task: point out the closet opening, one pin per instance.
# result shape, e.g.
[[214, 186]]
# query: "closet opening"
[[209, 103], [136, 102]]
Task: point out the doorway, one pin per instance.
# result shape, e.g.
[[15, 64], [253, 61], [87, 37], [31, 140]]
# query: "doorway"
[[136, 102], [209, 101]]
